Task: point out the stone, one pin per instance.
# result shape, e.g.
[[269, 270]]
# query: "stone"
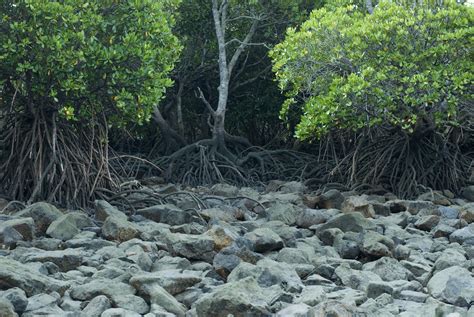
[[268, 273], [97, 306], [354, 278], [159, 296], [173, 281], [436, 197], [68, 225], [227, 215], [467, 213], [224, 190], [222, 236], [39, 301], [9, 237], [65, 260], [413, 296], [101, 286], [427, 222], [332, 199], [449, 257], [6, 309], [388, 269], [448, 212], [119, 229], [328, 236], [104, 210], [376, 245], [355, 222], [464, 236], [295, 310], [311, 295], [453, 285], [347, 249], [237, 298], [401, 252], [334, 308], [310, 217], [43, 215], [359, 204], [17, 297], [224, 263], [15, 274], [468, 193], [24, 226], [293, 256], [193, 247], [168, 213], [442, 230], [131, 302], [284, 212], [114, 312], [264, 240], [170, 263]]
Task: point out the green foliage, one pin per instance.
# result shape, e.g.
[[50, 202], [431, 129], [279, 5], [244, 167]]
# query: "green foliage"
[[83, 58], [398, 67]]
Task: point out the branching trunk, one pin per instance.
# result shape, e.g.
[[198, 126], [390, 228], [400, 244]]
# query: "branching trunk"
[[171, 139]]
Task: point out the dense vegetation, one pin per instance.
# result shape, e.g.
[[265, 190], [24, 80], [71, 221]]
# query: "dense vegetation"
[[193, 91]]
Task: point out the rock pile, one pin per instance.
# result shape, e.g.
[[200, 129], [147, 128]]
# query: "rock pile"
[[280, 251]]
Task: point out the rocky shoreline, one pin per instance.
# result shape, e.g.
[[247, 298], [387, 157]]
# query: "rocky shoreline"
[[220, 251]]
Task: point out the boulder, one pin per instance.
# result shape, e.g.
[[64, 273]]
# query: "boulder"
[[264, 240], [43, 215], [468, 193], [131, 302], [236, 298], [17, 297], [193, 247], [464, 236], [355, 222], [119, 229], [7, 309], [68, 225], [101, 286], [97, 306], [24, 226], [309, 217], [104, 210], [168, 213], [453, 285], [388, 269], [15, 274], [173, 281], [284, 212]]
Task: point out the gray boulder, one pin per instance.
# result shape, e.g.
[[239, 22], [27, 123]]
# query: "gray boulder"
[[168, 213], [310, 217], [173, 281], [98, 287], [42, 213], [7, 309], [97, 306], [454, 285], [354, 221], [463, 236], [17, 297], [24, 226], [68, 225], [120, 229], [195, 247], [264, 240]]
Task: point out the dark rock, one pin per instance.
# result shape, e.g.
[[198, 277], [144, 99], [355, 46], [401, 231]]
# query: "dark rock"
[[264, 240], [332, 199], [354, 221], [169, 214], [43, 215], [17, 297], [427, 222], [310, 217]]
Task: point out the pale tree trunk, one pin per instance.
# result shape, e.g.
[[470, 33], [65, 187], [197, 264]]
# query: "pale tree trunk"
[[219, 13]]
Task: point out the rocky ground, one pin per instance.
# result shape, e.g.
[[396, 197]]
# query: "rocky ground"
[[280, 251]]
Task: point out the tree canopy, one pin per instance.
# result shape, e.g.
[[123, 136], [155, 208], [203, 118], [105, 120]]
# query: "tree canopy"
[[401, 66]]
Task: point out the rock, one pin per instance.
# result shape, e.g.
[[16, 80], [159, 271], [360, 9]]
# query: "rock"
[[6, 309], [24, 226], [159, 296], [413, 296], [222, 214], [98, 287], [427, 222], [114, 312], [238, 298], [311, 295], [97, 306], [467, 213], [468, 193], [170, 263], [173, 281], [332, 199], [224, 190], [349, 222], [224, 263], [358, 204], [117, 228], [131, 302], [454, 285], [43, 215], [104, 210], [355, 279], [9, 237], [223, 237], [268, 272], [464, 235], [449, 257], [283, 212], [39, 301], [401, 252], [17, 297], [264, 240], [377, 245], [388, 269], [448, 212], [65, 260], [347, 249], [295, 310], [68, 225], [328, 236], [194, 247], [15, 274], [310, 217], [168, 213], [334, 308], [442, 230], [436, 197], [293, 256]]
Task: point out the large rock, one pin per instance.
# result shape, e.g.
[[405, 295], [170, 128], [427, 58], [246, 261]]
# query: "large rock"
[[355, 222], [24, 226], [117, 228], [66, 260], [454, 285], [222, 236], [15, 274], [131, 302], [377, 245], [195, 247], [310, 217], [332, 199], [468, 193], [42, 213], [238, 298], [467, 212], [98, 287], [7, 309], [104, 210], [168, 213], [159, 296], [268, 273], [463, 236], [284, 212], [388, 269], [68, 225], [97, 306], [264, 240], [359, 204], [354, 278], [173, 281], [17, 297]]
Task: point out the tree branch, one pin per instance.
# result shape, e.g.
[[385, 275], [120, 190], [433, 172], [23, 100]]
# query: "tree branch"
[[206, 102], [243, 45]]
